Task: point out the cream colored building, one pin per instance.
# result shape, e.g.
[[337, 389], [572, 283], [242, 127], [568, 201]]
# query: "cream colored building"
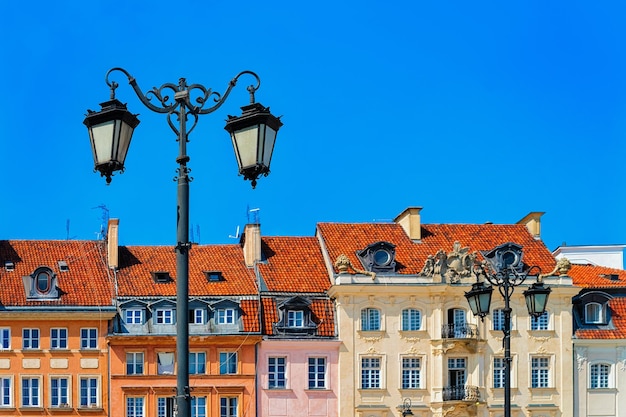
[[407, 332]]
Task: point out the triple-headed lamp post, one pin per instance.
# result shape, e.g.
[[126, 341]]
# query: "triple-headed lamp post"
[[503, 268], [253, 135]]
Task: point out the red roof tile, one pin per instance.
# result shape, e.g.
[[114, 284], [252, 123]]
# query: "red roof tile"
[[591, 276], [86, 283], [348, 238]]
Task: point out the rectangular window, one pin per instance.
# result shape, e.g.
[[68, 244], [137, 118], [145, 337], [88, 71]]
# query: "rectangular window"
[[225, 316], [196, 316], [5, 338], [198, 406], [89, 392], [165, 316], [165, 363], [498, 372], [58, 338], [228, 363], [411, 373], [540, 323], [370, 373], [31, 393], [370, 319], [498, 319], [276, 367], [295, 318], [165, 407], [317, 373], [134, 407], [59, 392], [134, 316], [411, 319], [540, 372], [228, 407], [30, 338], [197, 362], [134, 363], [6, 392], [599, 376], [89, 338]]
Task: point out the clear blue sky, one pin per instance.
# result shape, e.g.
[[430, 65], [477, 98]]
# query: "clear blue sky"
[[476, 111]]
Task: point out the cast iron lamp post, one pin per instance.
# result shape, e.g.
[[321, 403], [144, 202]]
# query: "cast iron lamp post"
[[253, 135], [503, 268]]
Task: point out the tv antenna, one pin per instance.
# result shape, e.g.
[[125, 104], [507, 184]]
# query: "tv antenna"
[[255, 215], [236, 236], [105, 221]]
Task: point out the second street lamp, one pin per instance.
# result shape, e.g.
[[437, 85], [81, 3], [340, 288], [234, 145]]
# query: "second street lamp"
[[504, 269], [253, 135]]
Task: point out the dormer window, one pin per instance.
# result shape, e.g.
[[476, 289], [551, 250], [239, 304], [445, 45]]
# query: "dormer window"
[[594, 313], [63, 266], [9, 266], [41, 284], [379, 257], [161, 277], [213, 276], [295, 316]]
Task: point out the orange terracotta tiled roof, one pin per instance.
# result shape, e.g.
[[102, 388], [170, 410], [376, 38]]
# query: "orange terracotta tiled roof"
[[322, 313], [251, 322], [294, 264], [591, 276], [86, 283], [348, 238], [137, 263], [618, 317]]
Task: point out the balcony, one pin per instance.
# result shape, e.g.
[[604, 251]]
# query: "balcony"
[[467, 393], [459, 331]]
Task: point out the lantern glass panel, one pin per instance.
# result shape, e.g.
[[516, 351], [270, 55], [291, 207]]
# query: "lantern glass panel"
[[245, 144], [268, 148]]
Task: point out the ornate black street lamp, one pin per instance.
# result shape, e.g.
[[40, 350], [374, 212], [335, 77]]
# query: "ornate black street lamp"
[[253, 135], [503, 268]]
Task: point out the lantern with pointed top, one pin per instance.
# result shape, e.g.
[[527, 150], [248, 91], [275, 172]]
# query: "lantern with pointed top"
[[537, 298], [253, 135], [110, 132], [479, 299]]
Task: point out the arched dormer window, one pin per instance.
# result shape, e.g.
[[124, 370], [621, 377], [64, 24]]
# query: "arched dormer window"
[[378, 257], [594, 313], [41, 284], [295, 317]]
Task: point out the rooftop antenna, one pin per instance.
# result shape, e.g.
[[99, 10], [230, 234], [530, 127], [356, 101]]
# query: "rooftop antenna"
[[105, 221], [255, 215], [236, 236]]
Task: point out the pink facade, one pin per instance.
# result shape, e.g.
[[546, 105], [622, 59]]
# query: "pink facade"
[[309, 384]]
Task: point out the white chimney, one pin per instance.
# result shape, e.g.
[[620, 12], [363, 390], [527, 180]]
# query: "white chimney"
[[532, 221], [112, 243], [410, 221], [252, 244]]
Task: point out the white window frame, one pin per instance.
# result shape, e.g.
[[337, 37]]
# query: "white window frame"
[[33, 394], [318, 376], [196, 360], [295, 318], [226, 316], [226, 406], [540, 322], [29, 340], [97, 396], [5, 338], [543, 370], [89, 338], [58, 339], [277, 372], [198, 406], [197, 316], [134, 362], [230, 357], [138, 406], [368, 323], [134, 316], [419, 371], [598, 313], [375, 373], [59, 403], [6, 390], [165, 406], [164, 316], [593, 380], [408, 319]]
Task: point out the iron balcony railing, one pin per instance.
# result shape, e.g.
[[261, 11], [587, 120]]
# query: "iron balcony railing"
[[459, 331], [468, 393]]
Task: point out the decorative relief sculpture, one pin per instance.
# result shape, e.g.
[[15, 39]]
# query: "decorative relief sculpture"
[[343, 264], [452, 266]]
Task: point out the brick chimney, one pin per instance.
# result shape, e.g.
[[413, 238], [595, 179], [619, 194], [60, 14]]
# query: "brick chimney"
[[112, 243], [252, 244], [410, 221], [532, 221]]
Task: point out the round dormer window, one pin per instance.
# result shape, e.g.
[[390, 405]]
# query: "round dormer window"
[[43, 279], [382, 257]]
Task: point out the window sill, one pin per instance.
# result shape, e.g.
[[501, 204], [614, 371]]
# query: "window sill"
[[31, 409], [601, 390], [90, 409], [279, 389]]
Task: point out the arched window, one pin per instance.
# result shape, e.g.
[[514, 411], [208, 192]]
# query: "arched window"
[[411, 319], [594, 313], [599, 376], [370, 319]]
